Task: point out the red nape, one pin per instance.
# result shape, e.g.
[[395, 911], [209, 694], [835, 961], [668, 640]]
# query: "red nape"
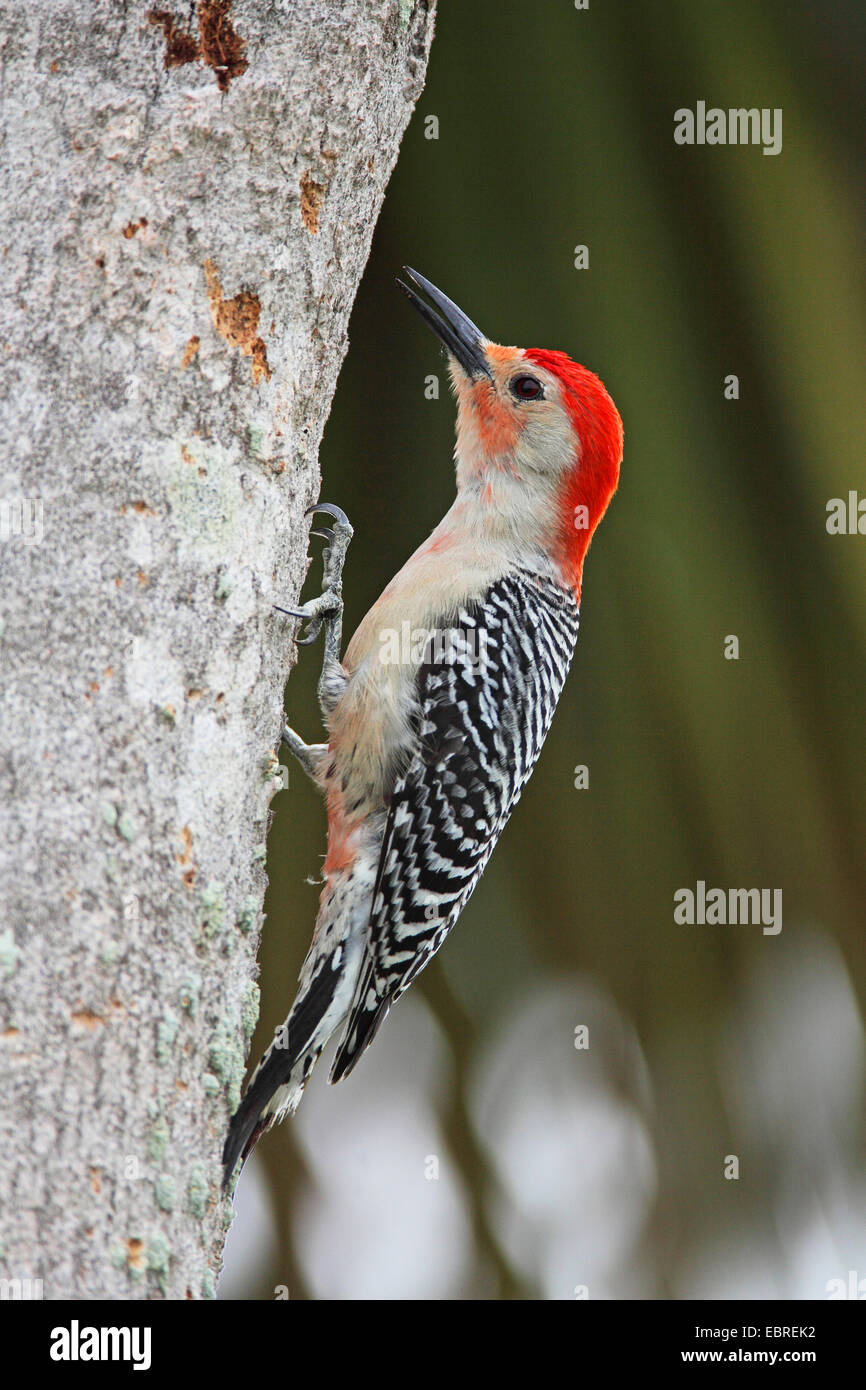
[[593, 480]]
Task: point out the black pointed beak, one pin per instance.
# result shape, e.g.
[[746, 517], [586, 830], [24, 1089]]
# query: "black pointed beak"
[[451, 326]]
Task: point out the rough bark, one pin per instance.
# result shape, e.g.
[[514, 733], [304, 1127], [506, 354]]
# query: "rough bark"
[[187, 201]]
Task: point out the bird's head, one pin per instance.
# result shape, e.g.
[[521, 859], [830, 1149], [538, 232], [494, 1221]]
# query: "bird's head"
[[539, 440]]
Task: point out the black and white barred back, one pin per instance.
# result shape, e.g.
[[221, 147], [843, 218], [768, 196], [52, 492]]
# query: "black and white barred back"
[[486, 697]]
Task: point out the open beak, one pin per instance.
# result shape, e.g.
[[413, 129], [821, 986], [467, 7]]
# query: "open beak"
[[451, 326]]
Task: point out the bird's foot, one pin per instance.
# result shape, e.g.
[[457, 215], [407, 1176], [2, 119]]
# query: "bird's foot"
[[310, 755], [328, 606]]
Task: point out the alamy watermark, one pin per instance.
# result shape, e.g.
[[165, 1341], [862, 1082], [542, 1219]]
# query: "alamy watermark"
[[703, 906], [851, 1287], [20, 1290], [739, 125], [77, 1343], [408, 646], [846, 517], [21, 519]]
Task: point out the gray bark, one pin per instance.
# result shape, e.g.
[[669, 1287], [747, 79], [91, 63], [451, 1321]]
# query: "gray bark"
[[187, 206]]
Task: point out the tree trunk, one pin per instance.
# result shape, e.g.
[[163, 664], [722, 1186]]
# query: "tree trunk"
[[188, 199]]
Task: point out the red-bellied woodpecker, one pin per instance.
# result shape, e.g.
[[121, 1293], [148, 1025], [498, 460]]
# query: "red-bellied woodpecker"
[[438, 710]]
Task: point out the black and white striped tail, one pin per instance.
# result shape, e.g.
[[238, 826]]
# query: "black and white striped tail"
[[279, 1079]]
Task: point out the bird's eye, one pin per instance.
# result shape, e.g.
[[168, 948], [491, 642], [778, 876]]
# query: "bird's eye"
[[527, 388]]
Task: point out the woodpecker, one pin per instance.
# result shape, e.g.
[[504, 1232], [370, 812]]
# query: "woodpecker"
[[432, 741]]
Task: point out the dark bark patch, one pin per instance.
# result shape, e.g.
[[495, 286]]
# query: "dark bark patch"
[[189, 352], [222, 47], [136, 1253], [312, 196], [131, 228], [219, 45], [86, 1018], [180, 46], [237, 320]]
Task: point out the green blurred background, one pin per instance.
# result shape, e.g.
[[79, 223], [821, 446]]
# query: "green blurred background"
[[555, 128]]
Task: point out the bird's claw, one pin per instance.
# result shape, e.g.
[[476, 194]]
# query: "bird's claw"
[[302, 616], [336, 512], [314, 614], [312, 633], [336, 540], [330, 601]]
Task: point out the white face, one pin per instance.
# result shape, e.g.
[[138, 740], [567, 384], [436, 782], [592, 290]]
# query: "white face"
[[514, 424], [515, 444]]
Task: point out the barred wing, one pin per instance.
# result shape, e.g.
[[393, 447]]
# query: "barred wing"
[[486, 697]]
